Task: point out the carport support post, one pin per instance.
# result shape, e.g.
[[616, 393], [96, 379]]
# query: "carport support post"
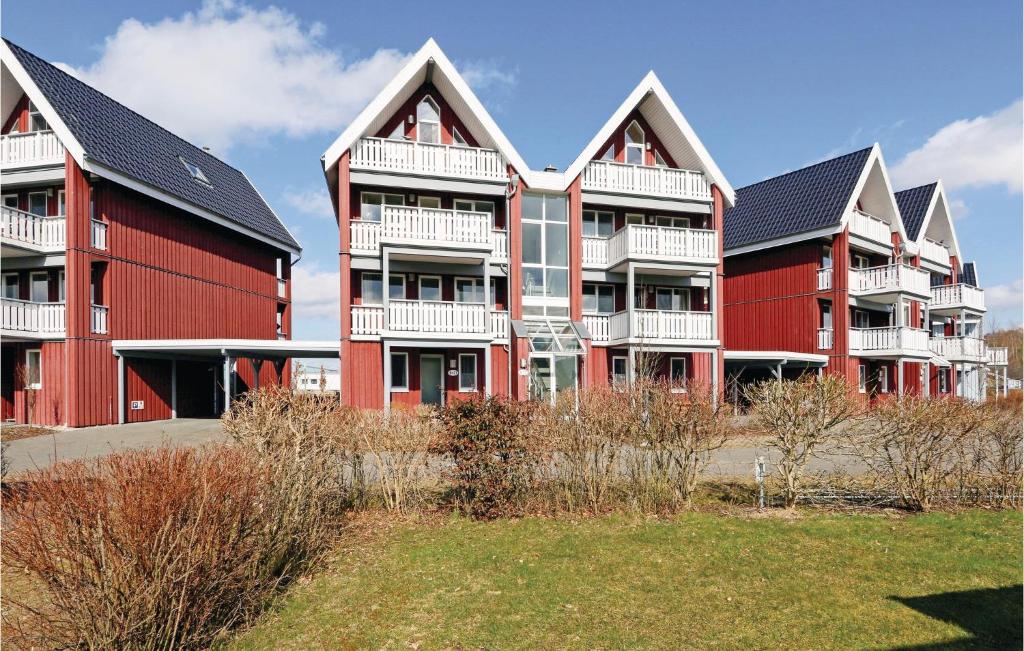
[[899, 376], [120, 390], [257, 364], [387, 375], [487, 368], [227, 382], [174, 388]]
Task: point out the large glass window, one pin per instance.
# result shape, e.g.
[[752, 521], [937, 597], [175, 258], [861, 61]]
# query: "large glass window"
[[599, 299], [430, 288], [372, 289], [428, 117], [39, 287], [469, 290], [598, 223], [634, 144], [37, 203], [672, 298], [34, 369], [620, 375], [399, 371], [372, 203], [11, 286], [545, 250], [467, 372]]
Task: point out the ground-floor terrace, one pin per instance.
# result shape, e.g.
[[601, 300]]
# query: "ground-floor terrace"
[[79, 383]]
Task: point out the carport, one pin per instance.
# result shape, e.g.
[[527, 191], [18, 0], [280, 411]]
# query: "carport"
[[188, 357], [746, 366]]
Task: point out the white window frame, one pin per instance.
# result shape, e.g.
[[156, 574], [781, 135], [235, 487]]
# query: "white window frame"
[[943, 380], [457, 139], [861, 261], [10, 196], [659, 160], [675, 221], [551, 305], [419, 122], [478, 286], [398, 133], [61, 291], [33, 111], [474, 206], [595, 217], [609, 153], [462, 388], [363, 275], [883, 379], [383, 202], [494, 293], [419, 202], [440, 287], [671, 364], [826, 309], [862, 378], [625, 370], [826, 256], [679, 292], [405, 356], [62, 208], [38, 353], [856, 319], [635, 218], [46, 201], [593, 289], [404, 288], [17, 286], [642, 145], [32, 282]]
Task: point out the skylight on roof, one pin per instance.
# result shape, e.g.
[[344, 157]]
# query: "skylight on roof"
[[195, 171]]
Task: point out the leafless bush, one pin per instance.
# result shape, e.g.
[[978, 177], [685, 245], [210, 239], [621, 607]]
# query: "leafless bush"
[[163, 548], [398, 444], [799, 416], [1002, 438]]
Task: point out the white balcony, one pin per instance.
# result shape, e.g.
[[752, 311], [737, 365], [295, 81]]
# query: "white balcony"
[[960, 349], [889, 280], [950, 299], [998, 356], [98, 320], [499, 245], [643, 180], [282, 288], [429, 228], [870, 227], [652, 243], [825, 338], [893, 341], [28, 232], [935, 252], [824, 279], [32, 149], [429, 319], [98, 234], [31, 320], [425, 159], [658, 327]]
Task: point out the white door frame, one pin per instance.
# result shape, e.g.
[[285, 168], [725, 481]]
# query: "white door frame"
[[440, 358]]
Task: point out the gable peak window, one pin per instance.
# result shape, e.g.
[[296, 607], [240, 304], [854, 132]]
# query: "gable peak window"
[[659, 160], [195, 171], [36, 121], [634, 144], [428, 118], [457, 138]]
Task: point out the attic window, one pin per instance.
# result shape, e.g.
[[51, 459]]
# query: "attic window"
[[197, 174], [458, 139]]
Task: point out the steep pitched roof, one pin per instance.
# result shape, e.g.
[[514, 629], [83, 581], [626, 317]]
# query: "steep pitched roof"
[[660, 110], [808, 199], [969, 274], [914, 203], [104, 135]]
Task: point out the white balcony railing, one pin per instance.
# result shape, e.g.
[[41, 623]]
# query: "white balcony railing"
[[998, 356], [39, 319], [959, 348], [892, 339], [499, 324], [32, 149], [598, 325], [825, 278], [98, 233], [416, 225], [434, 317], [99, 319], [638, 241], [409, 157], [282, 287], [870, 227], [673, 325], [367, 319], [43, 234], [499, 245], [932, 250], [825, 338], [949, 297], [890, 278], [619, 178]]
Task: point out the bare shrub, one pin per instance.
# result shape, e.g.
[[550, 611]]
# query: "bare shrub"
[[799, 416], [397, 444], [163, 548], [1002, 442]]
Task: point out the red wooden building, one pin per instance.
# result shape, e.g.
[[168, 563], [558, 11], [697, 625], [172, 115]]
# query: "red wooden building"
[[126, 251], [464, 271], [826, 267]]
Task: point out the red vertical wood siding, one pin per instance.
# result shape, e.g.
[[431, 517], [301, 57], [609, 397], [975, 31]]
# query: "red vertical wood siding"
[[148, 380]]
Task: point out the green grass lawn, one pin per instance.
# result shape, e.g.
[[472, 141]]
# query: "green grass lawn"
[[696, 581]]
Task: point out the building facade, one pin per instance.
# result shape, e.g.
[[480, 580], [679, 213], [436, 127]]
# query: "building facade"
[[465, 272], [826, 267], [115, 232]]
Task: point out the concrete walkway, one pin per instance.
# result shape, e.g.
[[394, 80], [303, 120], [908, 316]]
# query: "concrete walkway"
[[91, 442]]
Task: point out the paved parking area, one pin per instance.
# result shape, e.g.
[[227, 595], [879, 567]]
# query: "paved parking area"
[[90, 442]]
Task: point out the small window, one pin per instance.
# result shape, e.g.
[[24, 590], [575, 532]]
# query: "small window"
[[494, 292], [943, 380], [37, 203], [429, 202], [458, 139], [430, 288], [11, 201], [396, 287], [39, 287], [861, 319], [11, 286], [619, 374], [598, 223], [36, 121], [659, 160], [634, 144], [598, 299], [469, 290], [609, 154], [672, 222], [398, 133], [195, 171], [34, 369], [938, 329], [634, 218], [62, 209], [280, 322], [861, 262], [826, 316], [399, 371], [883, 379], [371, 204], [428, 117], [467, 372], [862, 378], [826, 257], [60, 286], [677, 373]]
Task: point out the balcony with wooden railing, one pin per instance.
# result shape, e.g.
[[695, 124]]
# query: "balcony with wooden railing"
[[651, 326], [889, 341], [889, 280], [824, 278], [949, 299], [874, 229], [32, 320], [646, 181], [826, 338], [427, 159], [652, 243], [935, 252], [960, 349], [419, 318], [998, 356], [98, 234], [31, 149], [98, 319], [431, 228], [30, 232]]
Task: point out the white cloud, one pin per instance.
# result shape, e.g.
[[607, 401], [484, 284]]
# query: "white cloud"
[[232, 72], [489, 81], [1009, 295], [311, 201], [958, 208], [970, 153], [316, 293]]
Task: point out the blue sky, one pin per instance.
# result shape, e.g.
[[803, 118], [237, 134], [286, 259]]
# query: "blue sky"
[[768, 86]]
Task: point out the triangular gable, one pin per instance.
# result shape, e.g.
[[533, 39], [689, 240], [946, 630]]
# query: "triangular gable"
[[430, 59], [938, 222], [874, 192], [675, 132]]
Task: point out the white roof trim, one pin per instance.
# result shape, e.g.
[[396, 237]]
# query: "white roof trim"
[[874, 157], [651, 84], [775, 355], [430, 51], [939, 195]]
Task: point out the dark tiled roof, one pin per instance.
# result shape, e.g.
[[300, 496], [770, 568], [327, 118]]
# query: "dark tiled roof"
[[913, 204], [117, 137], [969, 274], [805, 200]]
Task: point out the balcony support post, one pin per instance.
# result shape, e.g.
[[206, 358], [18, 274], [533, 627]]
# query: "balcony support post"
[[385, 289], [257, 364], [899, 375], [387, 375], [487, 368], [926, 390], [631, 304], [174, 388], [120, 390], [227, 380]]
